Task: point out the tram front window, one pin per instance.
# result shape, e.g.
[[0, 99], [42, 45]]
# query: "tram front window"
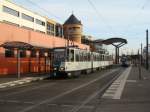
[[59, 56]]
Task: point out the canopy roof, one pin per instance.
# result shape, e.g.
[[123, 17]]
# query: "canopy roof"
[[16, 44], [114, 40], [22, 46], [110, 41]]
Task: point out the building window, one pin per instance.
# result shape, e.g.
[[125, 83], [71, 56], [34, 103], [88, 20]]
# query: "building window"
[[40, 22], [50, 33], [10, 11], [50, 29], [9, 53], [27, 17], [50, 26], [59, 31]]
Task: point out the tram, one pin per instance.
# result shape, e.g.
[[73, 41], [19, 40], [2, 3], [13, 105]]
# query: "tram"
[[71, 61], [124, 61]]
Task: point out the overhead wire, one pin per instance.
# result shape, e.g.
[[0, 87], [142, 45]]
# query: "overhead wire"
[[101, 16], [143, 7], [45, 10], [133, 20]]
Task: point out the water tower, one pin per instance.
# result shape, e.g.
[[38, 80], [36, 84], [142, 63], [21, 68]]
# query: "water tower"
[[73, 29]]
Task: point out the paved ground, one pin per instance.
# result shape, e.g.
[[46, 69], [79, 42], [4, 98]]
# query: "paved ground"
[[135, 96], [115, 90], [63, 95], [9, 81]]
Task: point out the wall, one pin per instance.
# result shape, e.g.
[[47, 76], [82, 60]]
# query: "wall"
[[19, 20], [10, 33]]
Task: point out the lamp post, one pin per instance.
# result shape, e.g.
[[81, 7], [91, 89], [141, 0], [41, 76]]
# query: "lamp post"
[[147, 64]]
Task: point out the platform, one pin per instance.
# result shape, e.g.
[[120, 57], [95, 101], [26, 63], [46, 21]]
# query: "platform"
[[135, 96]]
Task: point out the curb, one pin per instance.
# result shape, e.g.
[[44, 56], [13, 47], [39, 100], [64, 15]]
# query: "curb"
[[21, 81]]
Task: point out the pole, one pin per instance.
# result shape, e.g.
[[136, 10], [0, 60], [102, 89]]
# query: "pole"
[[141, 54], [147, 65], [139, 66], [18, 63], [29, 62], [39, 63], [116, 55], [45, 59]]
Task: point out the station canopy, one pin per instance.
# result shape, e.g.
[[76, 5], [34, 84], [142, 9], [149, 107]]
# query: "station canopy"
[[22, 46], [16, 44], [111, 41]]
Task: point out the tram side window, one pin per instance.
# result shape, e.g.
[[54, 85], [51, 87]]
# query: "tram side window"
[[89, 57], [71, 55], [94, 57], [77, 57], [9, 53], [84, 59], [98, 57], [102, 57], [80, 55], [107, 58]]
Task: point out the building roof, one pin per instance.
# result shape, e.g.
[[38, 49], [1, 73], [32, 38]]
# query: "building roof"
[[72, 20]]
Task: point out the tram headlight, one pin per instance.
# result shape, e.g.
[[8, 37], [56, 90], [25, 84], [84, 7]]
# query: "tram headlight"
[[62, 68], [55, 68]]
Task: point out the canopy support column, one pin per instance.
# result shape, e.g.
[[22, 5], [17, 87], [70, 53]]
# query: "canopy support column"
[[18, 63]]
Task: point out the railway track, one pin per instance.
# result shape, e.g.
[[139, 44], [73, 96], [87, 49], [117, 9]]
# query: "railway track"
[[72, 95]]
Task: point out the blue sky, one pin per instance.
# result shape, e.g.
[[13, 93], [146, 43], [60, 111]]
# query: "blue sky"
[[114, 18]]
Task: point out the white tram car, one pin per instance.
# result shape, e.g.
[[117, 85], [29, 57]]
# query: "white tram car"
[[72, 61]]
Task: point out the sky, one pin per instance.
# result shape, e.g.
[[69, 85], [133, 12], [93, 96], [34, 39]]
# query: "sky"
[[101, 19]]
